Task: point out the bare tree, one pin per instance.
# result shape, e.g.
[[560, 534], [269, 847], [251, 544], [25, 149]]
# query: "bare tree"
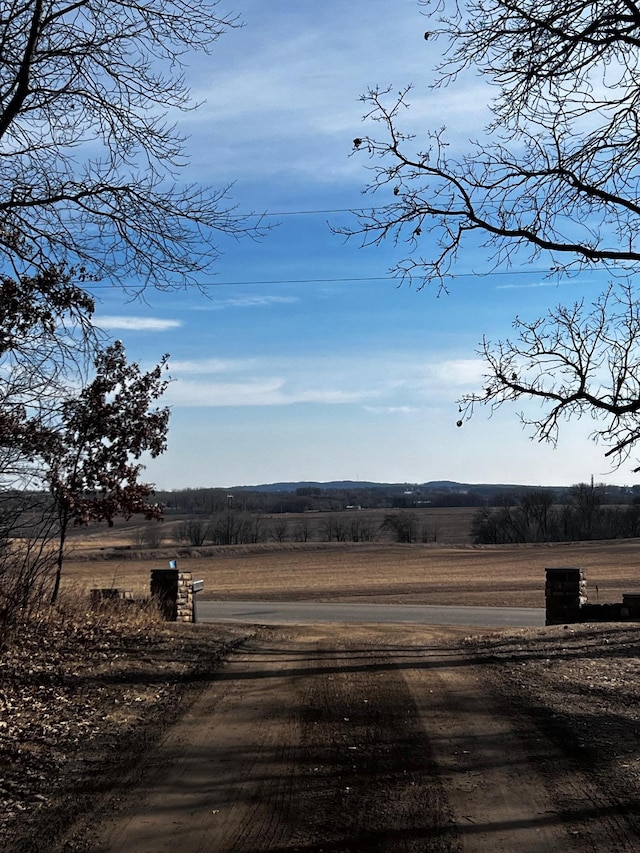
[[251, 528], [90, 189], [194, 532], [402, 525], [279, 529], [362, 530], [302, 530], [556, 174], [536, 508], [89, 151], [575, 362], [585, 501]]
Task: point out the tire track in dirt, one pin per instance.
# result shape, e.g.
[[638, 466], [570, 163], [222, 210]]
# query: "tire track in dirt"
[[510, 786], [222, 778], [340, 739], [375, 785], [303, 742]]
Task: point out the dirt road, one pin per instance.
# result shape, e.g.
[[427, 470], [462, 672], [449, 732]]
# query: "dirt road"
[[370, 739]]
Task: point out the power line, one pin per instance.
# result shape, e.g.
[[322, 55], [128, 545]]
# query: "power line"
[[397, 280], [100, 286], [354, 210]]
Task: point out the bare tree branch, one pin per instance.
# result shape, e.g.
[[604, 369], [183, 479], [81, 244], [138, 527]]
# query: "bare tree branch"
[[555, 177], [577, 361], [89, 154]]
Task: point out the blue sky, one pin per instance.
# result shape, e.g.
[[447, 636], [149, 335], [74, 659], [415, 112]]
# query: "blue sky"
[[302, 359]]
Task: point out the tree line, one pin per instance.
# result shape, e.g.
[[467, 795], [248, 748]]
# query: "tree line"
[[536, 517], [209, 501], [247, 528]]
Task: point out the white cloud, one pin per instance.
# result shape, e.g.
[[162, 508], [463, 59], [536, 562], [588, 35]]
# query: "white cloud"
[[456, 373], [281, 97], [138, 324], [207, 366], [384, 382], [527, 286], [257, 392], [269, 391], [332, 396], [259, 301], [392, 410]]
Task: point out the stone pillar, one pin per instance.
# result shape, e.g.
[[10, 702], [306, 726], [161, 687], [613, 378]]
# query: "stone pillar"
[[565, 593], [184, 603], [173, 590]]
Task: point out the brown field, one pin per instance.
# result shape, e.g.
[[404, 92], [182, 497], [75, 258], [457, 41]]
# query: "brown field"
[[510, 575]]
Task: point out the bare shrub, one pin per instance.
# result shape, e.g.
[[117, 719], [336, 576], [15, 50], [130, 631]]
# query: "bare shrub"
[[27, 555], [279, 529], [193, 532], [27, 569], [148, 535], [302, 531]]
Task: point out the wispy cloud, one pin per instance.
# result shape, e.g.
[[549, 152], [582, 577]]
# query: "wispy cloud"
[[455, 373], [332, 396], [137, 324], [257, 392], [528, 286], [212, 366], [258, 301], [384, 383], [392, 410], [301, 89], [270, 391]]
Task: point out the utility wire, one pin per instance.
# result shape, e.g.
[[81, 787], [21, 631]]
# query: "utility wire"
[[397, 280]]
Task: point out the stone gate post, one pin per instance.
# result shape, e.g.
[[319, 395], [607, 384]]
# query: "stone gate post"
[[173, 589], [565, 592]]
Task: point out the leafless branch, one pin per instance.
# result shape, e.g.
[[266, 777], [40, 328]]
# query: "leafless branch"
[[577, 361], [89, 154]]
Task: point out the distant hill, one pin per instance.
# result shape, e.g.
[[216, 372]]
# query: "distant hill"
[[432, 485], [337, 495], [312, 484]]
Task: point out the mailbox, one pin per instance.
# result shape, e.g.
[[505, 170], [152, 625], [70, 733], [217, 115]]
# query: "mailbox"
[[196, 586]]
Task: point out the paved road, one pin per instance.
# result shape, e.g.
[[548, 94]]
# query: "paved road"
[[307, 612]]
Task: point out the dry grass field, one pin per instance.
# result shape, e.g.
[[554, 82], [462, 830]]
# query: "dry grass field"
[[452, 573]]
